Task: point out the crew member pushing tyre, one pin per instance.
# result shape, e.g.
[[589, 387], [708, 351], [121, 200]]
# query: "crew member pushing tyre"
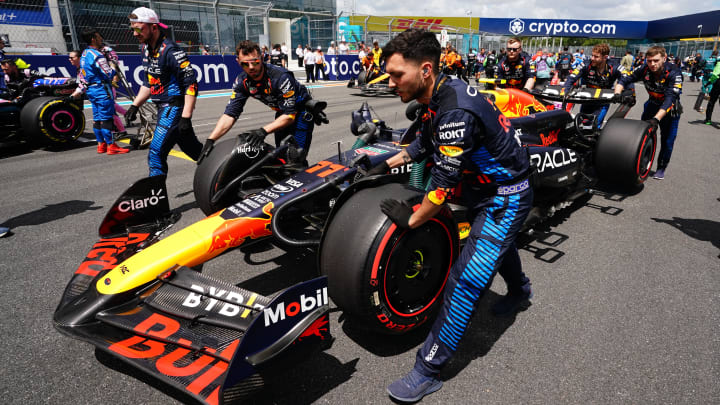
[[464, 132]]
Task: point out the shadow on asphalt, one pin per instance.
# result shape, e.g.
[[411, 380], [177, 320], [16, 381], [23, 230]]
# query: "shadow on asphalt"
[[17, 148], [703, 230], [50, 213]]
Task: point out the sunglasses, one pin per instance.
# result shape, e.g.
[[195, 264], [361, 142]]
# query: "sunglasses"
[[247, 63], [136, 29], [513, 49]]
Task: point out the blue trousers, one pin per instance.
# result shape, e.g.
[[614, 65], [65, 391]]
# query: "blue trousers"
[[668, 132], [166, 135], [301, 130], [103, 108], [490, 249]]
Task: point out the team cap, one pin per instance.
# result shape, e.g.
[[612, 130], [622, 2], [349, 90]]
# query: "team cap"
[[145, 15]]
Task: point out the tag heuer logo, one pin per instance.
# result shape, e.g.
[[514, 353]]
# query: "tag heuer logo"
[[517, 26]]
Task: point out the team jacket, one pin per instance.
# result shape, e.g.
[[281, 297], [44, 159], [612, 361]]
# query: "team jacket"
[[277, 89], [518, 72], [665, 90], [94, 67], [593, 78], [465, 132], [168, 73]]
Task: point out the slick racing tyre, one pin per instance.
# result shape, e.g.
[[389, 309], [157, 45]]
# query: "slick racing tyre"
[[362, 78], [52, 121], [389, 279], [216, 171], [625, 151]]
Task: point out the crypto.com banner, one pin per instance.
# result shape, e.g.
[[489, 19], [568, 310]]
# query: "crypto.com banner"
[[564, 28]]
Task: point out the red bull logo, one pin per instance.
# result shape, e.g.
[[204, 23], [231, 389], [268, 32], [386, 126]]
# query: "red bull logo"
[[153, 81], [234, 232]]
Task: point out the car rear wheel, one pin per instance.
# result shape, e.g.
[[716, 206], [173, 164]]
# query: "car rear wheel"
[[388, 278], [52, 121], [625, 151]]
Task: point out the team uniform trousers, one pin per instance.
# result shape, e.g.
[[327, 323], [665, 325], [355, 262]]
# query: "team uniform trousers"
[[103, 108], [168, 134], [668, 132], [490, 249]]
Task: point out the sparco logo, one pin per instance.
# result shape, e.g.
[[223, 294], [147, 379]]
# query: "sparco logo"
[[517, 26], [304, 304], [131, 205], [433, 350], [248, 150]]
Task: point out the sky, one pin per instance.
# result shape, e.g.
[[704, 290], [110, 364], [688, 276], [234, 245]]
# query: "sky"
[[642, 10]]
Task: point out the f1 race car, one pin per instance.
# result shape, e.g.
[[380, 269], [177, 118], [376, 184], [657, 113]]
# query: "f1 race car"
[[377, 84], [138, 297], [39, 113]]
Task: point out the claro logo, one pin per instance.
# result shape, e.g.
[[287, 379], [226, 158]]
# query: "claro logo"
[[304, 304], [132, 205]]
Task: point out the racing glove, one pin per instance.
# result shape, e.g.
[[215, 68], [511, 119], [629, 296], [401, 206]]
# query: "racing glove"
[[185, 127], [207, 148], [255, 137], [380, 168], [131, 113], [654, 123], [397, 211]]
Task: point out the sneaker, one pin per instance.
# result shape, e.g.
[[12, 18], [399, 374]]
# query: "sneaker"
[[102, 147], [413, 387], [659, 174], [4, 231], [707, 122], [114, 149], [513, 301]]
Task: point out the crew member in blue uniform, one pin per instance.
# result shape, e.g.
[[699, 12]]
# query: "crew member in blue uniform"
[[170, 81], [599, 74], [98, 76], [663, 82], [471, 142], [275, 87], [517, 68]]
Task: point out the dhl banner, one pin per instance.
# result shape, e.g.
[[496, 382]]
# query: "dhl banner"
[[401, 23]]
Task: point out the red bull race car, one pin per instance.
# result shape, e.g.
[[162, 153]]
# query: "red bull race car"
[[141, 297], [40, 114]]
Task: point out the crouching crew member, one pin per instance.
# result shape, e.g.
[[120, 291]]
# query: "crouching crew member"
[[170, 81], [663, 82], [275, 87], [464, 132]]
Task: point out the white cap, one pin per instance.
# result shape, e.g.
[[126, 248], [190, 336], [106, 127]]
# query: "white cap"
[[145, 15], [319, 48]]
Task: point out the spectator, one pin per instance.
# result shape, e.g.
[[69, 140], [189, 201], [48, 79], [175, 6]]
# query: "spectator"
[[332, 50], [205, 50], [300, 55], [99, 75], [543, 68], [343, 48], [361, 52], [319, 64], [285, 51], [309, 60], [276, 56], [627, 61]]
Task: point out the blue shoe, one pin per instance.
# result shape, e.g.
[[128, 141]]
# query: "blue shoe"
[[413, 387], [659, 174], [4, 231], [513, 301]]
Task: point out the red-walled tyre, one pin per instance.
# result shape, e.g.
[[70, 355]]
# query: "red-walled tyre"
[[625, 151], [387, 278]]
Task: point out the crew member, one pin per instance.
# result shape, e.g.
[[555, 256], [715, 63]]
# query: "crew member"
[[490, 65], [98, 75], [710, 63], [517, 68], [564, 64], [369, 67], [18, 76], [663, 82], [377, 53], [170, 81], [471, 141], [278, 89], [599, 74], [74, 58]]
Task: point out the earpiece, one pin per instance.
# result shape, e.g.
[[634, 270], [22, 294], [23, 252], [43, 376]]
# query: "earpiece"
[[425, 70]]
